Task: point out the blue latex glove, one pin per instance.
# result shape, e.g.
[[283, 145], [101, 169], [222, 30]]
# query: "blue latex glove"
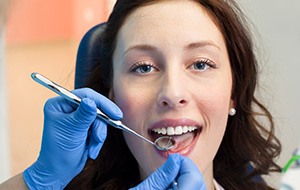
[[71, 134], [176, 168]]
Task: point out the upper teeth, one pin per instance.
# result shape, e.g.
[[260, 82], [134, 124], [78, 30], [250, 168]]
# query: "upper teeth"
[[178, 130]]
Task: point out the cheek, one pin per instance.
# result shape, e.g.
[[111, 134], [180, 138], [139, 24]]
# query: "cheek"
[[135, 105], [217, 114], [215, 102], [214, 106], [132, 102]]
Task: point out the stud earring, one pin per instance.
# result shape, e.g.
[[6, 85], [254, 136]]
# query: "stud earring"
[[232, 111]]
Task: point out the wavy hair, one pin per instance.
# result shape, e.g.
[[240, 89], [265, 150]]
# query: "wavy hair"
[[249, 146]]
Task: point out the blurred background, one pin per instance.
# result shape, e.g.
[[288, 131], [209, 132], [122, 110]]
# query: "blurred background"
[[36, 36], [43, 36]]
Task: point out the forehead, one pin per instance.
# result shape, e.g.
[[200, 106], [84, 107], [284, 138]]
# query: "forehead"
[[169, 20]]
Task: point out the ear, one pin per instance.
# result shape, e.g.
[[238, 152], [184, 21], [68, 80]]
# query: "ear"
[[232, 104], [111, 94], [232, 109]]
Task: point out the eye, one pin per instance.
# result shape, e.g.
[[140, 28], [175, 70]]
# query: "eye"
[[202, 64], [143, 68]]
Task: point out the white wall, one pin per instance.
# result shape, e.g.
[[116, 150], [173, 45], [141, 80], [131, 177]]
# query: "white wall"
[[278, 23]]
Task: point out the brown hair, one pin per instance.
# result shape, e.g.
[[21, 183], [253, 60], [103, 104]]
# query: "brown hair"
[[247, 142]]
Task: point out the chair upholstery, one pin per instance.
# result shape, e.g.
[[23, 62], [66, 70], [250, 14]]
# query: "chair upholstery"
[[89, 44]]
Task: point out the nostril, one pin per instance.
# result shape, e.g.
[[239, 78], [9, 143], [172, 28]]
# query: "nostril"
[[164, 103], [172, 99], [182, 102], [173, 103]]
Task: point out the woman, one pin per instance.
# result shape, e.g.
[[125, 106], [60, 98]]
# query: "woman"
[[186, 69]]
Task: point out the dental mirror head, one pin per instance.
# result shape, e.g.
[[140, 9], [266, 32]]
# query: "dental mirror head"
[[164, 143]]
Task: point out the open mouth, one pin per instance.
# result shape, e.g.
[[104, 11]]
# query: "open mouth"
[[184, 136]]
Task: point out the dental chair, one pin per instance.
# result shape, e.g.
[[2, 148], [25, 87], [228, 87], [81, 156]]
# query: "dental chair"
[[88, 47]]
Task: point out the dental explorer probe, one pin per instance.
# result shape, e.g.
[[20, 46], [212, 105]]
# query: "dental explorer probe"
[[162, 143]]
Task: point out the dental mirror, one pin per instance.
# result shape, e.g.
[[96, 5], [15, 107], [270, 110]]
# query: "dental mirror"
[[163, 143]]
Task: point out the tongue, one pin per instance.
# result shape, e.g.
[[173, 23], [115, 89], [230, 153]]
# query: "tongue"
[[182, 141]]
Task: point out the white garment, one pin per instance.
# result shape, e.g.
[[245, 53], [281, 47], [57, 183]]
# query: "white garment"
[[218, 186]]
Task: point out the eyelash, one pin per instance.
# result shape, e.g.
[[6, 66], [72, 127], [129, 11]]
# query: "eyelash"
[[206, 62], [139, 65]]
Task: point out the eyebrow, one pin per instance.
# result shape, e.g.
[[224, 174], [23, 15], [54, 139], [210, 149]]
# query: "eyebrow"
[[143, 47], [194, 45], [201, 44]]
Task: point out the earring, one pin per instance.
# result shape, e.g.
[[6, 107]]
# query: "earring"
[[232, 111]]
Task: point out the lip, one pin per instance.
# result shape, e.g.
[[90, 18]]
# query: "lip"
[[185, 150]]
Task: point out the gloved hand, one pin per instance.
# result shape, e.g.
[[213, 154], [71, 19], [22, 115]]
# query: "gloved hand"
[[176, 168], [71, 134]]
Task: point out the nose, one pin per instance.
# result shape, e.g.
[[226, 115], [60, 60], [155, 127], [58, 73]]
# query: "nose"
[[173, 92]]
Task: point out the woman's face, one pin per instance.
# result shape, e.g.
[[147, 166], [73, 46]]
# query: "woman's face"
[[172, 76]]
